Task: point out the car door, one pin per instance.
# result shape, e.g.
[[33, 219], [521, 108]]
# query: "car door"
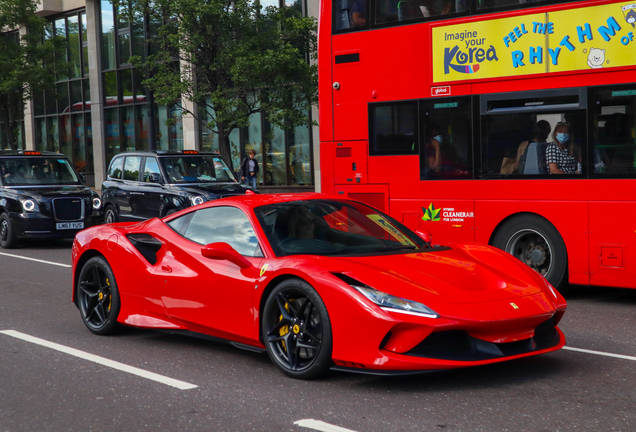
[[151, 191], [215, 294], [128, 195]]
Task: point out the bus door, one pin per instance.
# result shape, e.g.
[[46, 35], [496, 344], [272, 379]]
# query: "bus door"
[[350, 93], [351, 162]]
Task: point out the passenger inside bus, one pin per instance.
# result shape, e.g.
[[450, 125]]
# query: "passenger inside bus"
[[531, 154], [359, 13], [561, 154], [442, 158]]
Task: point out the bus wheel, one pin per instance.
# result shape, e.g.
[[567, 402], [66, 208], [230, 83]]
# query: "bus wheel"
[[536, 242]]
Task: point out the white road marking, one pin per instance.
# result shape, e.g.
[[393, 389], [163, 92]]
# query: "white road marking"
[[33, 259], [181, 385], [320, 426], [620, 356]]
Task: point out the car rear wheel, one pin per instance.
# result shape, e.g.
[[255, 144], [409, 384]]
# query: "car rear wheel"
[[98, 297], [296, 330], [536, 242], [111, 215], [8, 239]]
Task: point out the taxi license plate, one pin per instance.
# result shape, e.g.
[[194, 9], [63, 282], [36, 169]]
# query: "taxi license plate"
[[69, 225]]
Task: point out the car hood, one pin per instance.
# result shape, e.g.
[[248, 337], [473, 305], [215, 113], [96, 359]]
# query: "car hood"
[[50, 192], [212, 188], [466, 273]]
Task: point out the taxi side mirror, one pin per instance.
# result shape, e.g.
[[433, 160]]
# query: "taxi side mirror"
[[223, 251]]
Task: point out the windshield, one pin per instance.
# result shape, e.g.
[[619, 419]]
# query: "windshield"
[[37, 171], [196, 169], [332, 227]]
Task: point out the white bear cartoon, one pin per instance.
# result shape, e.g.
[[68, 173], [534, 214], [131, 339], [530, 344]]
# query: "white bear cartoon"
[[596, 58]]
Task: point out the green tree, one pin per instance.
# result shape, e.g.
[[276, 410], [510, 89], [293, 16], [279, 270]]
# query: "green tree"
[[232, 58], [27, 61]]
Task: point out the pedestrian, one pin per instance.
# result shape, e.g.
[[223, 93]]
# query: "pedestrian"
[[249, 169]]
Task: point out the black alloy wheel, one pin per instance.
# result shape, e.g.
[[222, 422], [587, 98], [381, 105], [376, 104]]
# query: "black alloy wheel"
[[536, 242], [111, 215], [297, 331], [98, 297], [8, 239]]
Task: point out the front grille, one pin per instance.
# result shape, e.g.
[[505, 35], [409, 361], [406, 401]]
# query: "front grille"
[[68, 209], [459, 345]]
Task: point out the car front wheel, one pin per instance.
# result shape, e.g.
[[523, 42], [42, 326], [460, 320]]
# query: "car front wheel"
[[98, 297], [297, 331], [111, 216], [8, 239]]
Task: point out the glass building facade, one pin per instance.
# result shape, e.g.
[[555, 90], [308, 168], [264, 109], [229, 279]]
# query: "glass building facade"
[[123, 111]]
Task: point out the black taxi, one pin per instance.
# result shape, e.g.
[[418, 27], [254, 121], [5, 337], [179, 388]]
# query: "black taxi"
[[146, 184], [41, 196]]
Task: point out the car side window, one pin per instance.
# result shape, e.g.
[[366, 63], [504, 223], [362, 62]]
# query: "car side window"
[[224, 224], [116, 168], [131, 168], [152, 167]]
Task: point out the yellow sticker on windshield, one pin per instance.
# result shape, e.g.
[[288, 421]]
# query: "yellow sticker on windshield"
[[386, 226]]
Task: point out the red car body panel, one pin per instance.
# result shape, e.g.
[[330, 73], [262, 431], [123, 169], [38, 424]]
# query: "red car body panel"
[[474, 288]]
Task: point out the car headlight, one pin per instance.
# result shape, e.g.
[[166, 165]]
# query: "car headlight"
[[28, 205], [396, 304], [97, 203], [196, 200]]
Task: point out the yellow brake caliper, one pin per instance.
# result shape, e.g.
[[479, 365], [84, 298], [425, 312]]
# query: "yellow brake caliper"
[[284, 329], [110, 300]]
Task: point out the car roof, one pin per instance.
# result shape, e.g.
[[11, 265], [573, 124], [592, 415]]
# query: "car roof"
[[30, 153], [167, 153], [257, 200]]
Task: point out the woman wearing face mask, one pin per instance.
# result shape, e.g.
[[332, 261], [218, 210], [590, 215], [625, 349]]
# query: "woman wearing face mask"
[[560, 153]]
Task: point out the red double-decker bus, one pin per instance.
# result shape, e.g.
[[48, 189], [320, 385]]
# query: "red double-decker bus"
[[503, 122]]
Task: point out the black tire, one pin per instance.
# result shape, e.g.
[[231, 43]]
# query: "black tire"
[[111, 215], [295, 320], [537, 243], [97, 297], [8, 238]]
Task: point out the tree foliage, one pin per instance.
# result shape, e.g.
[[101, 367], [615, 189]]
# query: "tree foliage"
[[243, 58], [27, 61]]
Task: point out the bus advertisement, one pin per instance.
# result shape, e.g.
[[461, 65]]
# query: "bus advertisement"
[[503, 122]]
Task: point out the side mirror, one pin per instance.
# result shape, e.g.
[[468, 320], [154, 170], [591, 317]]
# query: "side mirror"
[[425, 235], [223, 251], [82, 177], [154, 178]]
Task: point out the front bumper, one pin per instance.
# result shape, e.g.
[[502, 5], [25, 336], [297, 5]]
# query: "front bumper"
[[37, 225]]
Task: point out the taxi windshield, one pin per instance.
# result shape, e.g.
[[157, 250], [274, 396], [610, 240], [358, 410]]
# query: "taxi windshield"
[[36, 171], [333, 227], [196, 169]]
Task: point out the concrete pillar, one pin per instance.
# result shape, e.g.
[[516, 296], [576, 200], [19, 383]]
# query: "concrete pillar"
[[29, 128], [97, 97], [313, 9], [189, 123]]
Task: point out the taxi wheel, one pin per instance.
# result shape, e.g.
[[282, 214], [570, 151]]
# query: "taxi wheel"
[[8, 239], [297, 331], [537, 243], [97, 297], [111, 216]]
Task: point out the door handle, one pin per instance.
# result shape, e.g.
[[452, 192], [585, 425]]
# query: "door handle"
[[137, 193], [166, 268]]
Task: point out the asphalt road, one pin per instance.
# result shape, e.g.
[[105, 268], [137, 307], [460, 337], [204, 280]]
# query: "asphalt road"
[[44, 389]]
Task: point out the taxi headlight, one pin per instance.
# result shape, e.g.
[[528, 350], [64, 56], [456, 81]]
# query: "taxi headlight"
[[28, 205], [97, 203], [196, 200], [396, 304]]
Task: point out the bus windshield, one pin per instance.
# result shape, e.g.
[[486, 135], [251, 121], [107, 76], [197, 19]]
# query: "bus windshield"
[[27, 171]]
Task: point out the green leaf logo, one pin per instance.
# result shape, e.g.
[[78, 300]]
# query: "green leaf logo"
[[431, 213]]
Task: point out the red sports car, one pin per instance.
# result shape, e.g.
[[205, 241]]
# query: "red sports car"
[[317, 281]]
